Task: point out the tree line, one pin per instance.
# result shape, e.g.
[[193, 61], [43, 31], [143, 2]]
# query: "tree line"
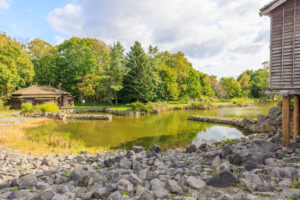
[[91, 70]]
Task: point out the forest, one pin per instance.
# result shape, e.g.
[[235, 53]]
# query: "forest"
[[99, 73]]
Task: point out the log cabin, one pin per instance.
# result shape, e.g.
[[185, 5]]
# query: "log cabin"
[[37, 94], [285, 59]]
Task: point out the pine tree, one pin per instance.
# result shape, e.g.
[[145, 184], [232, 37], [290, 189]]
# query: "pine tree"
[[139, 83]]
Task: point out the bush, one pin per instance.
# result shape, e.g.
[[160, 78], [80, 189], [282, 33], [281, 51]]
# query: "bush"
[[138, 106], [27, 108], [3, 107], [200, 105], [46, 107]]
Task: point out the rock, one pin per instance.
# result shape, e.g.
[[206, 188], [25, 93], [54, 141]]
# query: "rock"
[[298, 139], [261, 118], [17, 194], [138, 149], [27, 181], [195, 183], [249, 166], [287, 172], [153, 151], [125, 164], [285, 183], [161, 194], [204, 147], [226, 151], [173, 187], [216, 163], [248, 120], [134, 179], [264, 146], [253, 182], [156, 184], [45, 195], [129, 154], [115, 196], [80, 177], [100, 193], [224, 179], [274, 113], [191, 149], [224, 197]]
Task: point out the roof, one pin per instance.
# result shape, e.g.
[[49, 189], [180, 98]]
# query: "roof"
[[36, 90], [271, 6]]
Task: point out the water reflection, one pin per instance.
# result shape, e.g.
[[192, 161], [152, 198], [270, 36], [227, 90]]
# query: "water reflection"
[[217, 134], [170, 129]]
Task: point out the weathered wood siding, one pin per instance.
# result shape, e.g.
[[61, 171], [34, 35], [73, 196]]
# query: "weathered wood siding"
[[285, 46]]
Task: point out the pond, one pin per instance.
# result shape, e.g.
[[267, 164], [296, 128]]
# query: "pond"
[[169, 129]]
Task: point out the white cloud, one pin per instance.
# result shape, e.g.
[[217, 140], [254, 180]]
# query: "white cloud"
[[5, 4], [221, 37], [59, 39]]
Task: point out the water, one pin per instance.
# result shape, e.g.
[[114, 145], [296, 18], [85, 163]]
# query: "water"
[[169, 129]]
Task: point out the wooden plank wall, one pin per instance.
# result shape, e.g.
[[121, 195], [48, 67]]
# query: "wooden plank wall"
[[285, 46]]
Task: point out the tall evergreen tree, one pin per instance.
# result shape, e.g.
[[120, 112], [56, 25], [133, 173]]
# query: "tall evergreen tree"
[[139, 83], [114, 72]]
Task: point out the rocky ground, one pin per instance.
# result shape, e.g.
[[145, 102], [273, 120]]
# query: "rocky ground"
[[245, 169], [252, 168]]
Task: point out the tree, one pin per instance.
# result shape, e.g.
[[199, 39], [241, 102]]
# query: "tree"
[[16, 69], [78, 57], [231, 86], [43, 56], [170, 88], [139, 83], [259, 82], [114, 72], [244, 80]]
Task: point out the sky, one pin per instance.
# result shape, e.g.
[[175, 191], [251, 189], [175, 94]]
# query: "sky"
[[219, 37]]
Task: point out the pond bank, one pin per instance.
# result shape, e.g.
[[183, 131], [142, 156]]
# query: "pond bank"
[[263, 124], [250, 168]]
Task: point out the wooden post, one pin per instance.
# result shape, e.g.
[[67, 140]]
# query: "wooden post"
[[296, 117], [286, 121]]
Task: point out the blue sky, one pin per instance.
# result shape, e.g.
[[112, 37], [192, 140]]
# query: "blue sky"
[[220, 37]]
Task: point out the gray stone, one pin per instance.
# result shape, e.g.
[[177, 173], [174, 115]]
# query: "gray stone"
[[134, 179], [191, 149], [224, 179], [100, 193], [138, 149], [195, 183], [115, 196], [156, 184], [27, 181], [173, 187]]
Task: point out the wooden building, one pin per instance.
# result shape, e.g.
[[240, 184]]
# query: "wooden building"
[[40, 94], [285, 58]]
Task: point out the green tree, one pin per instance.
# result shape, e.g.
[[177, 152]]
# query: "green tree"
[[43, 56], [114, 72], [259, 82], [139, 83], [78, 57], [170, 88], [16, 69], [231, 86], [244, 80]]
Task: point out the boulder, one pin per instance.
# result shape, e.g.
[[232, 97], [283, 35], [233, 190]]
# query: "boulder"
[[196, 183], [137, 149], [191, 149], [224, 179]]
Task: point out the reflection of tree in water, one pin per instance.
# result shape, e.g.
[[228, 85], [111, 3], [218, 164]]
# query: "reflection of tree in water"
[[180, 140]]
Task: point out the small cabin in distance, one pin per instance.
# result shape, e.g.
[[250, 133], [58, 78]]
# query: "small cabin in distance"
[[285, 58], [38, 94]]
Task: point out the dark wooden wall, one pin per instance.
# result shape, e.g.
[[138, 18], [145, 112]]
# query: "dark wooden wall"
[[285, 46]]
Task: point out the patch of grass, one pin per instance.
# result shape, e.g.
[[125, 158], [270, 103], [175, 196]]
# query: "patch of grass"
[[67, 175], [34, 141], [14, 188], [229, 142], [40, 108]]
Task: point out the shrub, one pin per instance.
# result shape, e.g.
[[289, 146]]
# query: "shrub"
[[3, 107], [138, 106], [200, 105], [48, 107], [27, 108]]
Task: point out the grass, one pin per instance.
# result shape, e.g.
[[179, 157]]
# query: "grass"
[[41, 144]]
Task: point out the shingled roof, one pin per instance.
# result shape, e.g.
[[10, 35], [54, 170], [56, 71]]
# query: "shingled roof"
[[271, 6], [35, 90]]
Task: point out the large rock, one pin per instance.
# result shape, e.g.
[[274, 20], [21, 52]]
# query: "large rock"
[[138, 149], [27, 181], [195, 183], [274, 113], [224, 179], [191, 149], [173, 187]]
